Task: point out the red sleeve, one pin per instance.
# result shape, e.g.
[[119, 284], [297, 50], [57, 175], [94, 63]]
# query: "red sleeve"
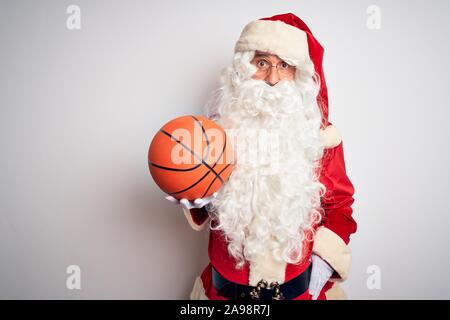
[[199, 216], [338, 198]]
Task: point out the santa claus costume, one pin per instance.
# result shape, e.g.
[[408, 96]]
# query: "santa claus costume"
[[266, 223]]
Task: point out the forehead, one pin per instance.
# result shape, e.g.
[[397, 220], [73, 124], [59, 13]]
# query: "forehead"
[[260, 54]]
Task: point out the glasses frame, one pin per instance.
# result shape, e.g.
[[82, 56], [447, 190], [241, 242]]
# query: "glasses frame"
[[265, 71]]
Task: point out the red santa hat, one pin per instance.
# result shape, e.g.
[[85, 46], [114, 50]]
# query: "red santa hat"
[[288, 37]]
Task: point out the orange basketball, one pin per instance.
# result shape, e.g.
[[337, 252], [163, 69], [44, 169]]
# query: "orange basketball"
[[190, 157]]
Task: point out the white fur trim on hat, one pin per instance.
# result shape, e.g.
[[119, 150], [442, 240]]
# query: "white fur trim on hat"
[[275, 37], [331, 137]]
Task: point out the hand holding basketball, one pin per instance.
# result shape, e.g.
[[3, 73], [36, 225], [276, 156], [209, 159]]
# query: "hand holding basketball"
[[196, 204]]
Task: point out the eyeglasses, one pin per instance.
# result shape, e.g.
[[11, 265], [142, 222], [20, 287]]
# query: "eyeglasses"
[[263, 66]]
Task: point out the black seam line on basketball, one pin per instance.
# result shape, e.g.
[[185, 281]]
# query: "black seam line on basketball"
[[173, 169], [205, 135], [192, 185], [210, 185], [220, 156], [204, 176], [192, 152]]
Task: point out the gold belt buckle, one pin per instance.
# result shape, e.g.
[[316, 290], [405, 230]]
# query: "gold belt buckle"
[[277, 294], [255, 294]]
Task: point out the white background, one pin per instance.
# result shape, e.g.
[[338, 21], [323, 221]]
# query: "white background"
[[78, 110]]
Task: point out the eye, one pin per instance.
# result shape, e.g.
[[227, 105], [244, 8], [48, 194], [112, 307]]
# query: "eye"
[[284, 65], [262, 64]]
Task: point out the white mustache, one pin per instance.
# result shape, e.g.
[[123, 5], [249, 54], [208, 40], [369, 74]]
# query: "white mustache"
[[256, 98]]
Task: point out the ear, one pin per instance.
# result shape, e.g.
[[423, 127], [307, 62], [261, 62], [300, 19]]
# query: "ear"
[[331, 136]]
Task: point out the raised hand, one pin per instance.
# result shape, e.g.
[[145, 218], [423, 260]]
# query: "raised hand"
[[197, 203]]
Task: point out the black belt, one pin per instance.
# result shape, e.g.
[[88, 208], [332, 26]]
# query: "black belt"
[[263, 291]]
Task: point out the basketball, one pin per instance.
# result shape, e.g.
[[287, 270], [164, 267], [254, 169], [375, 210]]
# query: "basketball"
[[190, 157]]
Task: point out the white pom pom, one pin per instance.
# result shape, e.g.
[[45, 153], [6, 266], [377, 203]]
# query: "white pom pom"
[[331, 136]]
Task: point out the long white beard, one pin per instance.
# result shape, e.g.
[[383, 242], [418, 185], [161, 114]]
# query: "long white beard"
[[272, 198]]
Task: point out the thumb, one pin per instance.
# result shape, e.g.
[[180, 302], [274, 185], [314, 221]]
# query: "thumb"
[[172, 199]]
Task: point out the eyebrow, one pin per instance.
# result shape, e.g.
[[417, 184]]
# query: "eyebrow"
[[260, 55], [265, 55]]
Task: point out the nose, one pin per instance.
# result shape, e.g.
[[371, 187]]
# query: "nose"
[[273, 78]]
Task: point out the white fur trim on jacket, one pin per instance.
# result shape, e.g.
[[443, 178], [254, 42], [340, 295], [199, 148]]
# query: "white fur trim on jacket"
[[198, 291], [335, 293], [331, 248], [331, 136], [275, 37]]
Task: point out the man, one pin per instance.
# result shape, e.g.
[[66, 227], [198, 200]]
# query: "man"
[[280, 226]]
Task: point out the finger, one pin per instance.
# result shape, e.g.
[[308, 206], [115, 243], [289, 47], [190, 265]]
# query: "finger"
[[313, 284], [315, 295], [185, 203], [172, 199], [198, 201], [318, 289], [317, 292], [208, 199], [313, 290]]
